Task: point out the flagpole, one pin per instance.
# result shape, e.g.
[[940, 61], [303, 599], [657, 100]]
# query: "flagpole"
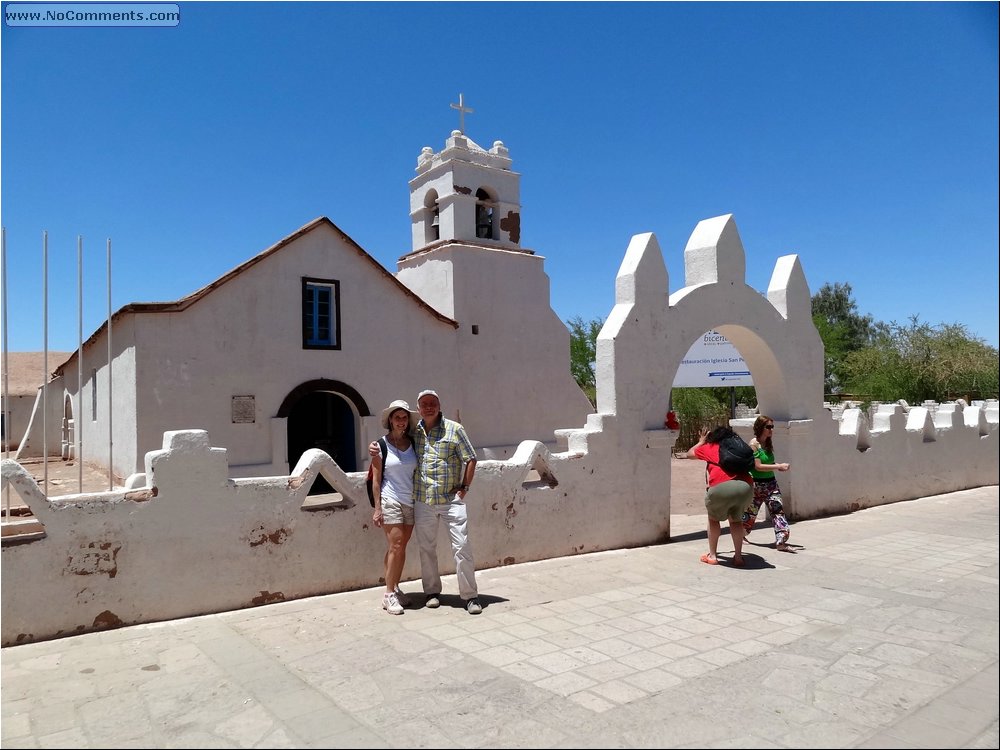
[[6, 367], [45, 359], [77, 421], [111, 439]]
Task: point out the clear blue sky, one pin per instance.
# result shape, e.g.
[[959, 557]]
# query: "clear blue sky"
[[861, 136]]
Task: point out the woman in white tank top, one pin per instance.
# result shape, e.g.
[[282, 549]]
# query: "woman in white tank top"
[[392, 485]]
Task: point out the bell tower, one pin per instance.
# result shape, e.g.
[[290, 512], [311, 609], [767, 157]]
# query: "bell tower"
[[467, 263], [465, 194]]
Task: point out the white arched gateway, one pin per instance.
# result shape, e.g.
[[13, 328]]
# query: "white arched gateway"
[[649, 331]]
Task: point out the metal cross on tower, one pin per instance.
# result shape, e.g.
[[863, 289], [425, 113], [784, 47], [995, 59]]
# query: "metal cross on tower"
[[462, 110]]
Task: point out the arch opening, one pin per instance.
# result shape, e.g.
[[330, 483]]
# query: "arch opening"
[[324, 414], [485, 204], [432, 217]]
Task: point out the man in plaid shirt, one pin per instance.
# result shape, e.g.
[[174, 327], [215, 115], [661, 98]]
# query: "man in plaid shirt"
[[446, 463]]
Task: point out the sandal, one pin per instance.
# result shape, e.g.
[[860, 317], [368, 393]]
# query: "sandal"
[[708, 560]]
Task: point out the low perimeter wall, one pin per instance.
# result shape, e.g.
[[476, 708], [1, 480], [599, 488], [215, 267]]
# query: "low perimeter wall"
[[185, 539]]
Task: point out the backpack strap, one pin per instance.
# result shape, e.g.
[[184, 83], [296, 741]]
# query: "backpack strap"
[[385, 454]]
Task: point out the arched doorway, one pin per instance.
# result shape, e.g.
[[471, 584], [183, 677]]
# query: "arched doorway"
[[68, 441], [324, 414], [711, 386]]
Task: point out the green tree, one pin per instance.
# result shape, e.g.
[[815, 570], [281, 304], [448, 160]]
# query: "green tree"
[[842, 329], [919, 362], [583, 353]]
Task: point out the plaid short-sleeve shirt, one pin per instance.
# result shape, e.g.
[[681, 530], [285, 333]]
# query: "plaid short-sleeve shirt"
[[442, 453]]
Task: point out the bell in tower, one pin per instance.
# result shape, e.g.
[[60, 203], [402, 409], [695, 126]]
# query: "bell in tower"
[[484, 215]]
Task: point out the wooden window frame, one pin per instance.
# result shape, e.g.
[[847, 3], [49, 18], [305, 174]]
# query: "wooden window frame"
[[312, 304]]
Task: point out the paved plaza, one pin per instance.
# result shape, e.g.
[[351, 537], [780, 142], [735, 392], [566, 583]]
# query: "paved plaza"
[[880, 632]]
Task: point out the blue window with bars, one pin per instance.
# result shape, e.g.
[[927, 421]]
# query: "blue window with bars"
[[320, 314]]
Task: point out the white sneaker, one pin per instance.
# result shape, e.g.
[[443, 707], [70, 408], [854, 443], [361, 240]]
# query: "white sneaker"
[[401, 597], [433, 602], [391, 604]]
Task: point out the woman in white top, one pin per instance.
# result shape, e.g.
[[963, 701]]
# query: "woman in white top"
[[392, 486]]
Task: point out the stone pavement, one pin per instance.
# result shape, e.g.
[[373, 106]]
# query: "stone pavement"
[[880, 632]]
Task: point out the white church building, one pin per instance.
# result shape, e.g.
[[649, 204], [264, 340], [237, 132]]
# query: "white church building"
[[304, 344]]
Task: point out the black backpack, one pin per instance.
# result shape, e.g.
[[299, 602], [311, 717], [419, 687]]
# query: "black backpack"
[[368, 482], [735, 456]]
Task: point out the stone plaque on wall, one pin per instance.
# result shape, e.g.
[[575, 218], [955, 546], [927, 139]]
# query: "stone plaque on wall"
[[244, 410]]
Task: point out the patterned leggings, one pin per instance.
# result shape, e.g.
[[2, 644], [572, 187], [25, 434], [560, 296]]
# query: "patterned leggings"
[[765, 491]]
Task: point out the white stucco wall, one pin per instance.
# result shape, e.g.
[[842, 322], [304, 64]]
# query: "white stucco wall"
[[107, 425], [262, 546], [18, 409], [510, 381], [110, 430], [834, 471]]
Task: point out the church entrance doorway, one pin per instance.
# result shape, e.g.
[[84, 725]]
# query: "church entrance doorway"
[[326, 421]]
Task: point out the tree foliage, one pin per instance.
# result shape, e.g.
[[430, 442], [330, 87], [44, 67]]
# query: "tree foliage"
[[919, 362], [583, 353], [841, 328]]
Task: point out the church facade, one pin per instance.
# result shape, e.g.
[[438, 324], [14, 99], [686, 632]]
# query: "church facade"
[[304, 344]]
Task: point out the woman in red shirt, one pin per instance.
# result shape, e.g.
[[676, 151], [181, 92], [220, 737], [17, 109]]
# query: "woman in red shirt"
[[727, 496]]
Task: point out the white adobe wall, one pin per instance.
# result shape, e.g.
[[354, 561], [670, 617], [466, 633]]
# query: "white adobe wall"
[[262, 546], [18, 409], [511, 380], [26, 414], [849, 464], [103, 434], [19, 389]]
